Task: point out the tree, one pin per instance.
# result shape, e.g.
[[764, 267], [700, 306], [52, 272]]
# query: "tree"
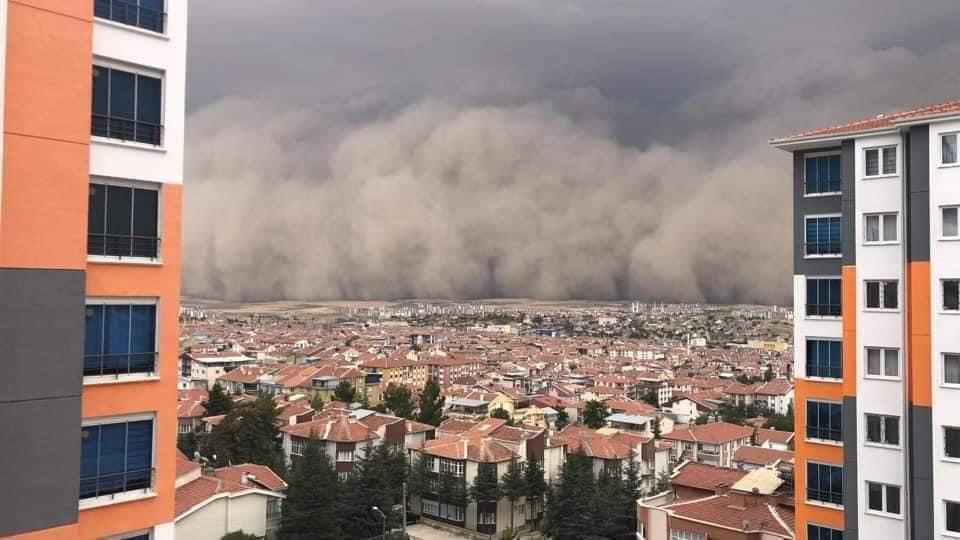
[[485, 490], [650, 397], [345, 392], [239, 535], [398, 400], [248, 434], [571, 513], [431, 404], [535, 484], [218, 402], [502, 414], [418, 475], [317, 402], [309, 510], [595, 414], [188, 443], [513, 486], [376, 480], [781, 422], [663, 483], [656, 428], [631, 490], [608, 505], [768, 374], [563, 419], [704, 418], [452, 490]]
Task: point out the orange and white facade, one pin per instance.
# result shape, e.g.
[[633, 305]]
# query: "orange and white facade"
[[92, 116], [877, 326]]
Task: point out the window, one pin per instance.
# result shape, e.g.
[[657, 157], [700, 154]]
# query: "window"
[[119, 340], [824, 421], [816, 532], [274, 508], [450, 466], [126, 106], [146, 14], [880, 161], [948, 148], [825, 483], [822, 174], [880, 228], [883, 429], [822, 236], [951, 295], [116, 458], [824, 358], [297, 446], [951, 442], [823, 297], [122, 221], [345, 455], [882, 294], [431, 508], [451, 512], [488, 518], [953, 516], [883, 362], [949, 218], [686, 535], [883, 498]]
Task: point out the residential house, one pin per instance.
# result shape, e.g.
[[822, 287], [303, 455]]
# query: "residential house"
[[713, 443]]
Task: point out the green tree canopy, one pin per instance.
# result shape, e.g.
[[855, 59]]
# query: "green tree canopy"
[[513, 486], [502, 414], [595, 413], [486, 485], [563, 419], [218, 402], [248, 434], [398, 400], [345, 392], [571, 514], [431, 404], [535, 484], [309, 510]]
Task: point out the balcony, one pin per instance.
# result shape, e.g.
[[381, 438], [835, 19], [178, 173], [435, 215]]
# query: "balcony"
[[112, 485], [823, 310], [116, 245], [132, 13], [116, 365], [125, 129]]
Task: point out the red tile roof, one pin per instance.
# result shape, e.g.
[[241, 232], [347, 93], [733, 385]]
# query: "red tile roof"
[[257, 474], [774, 436], [879, 122], [762, 456], [706, 477], [714, 433], [736, 511]]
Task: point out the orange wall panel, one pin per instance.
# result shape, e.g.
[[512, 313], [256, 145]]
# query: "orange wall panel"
[[920, 389], [77, 9], [848, 323]]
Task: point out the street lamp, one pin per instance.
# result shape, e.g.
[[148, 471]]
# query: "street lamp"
[[384, 517]]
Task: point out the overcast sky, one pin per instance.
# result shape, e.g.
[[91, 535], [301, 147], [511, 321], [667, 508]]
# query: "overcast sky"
[[525, 148]]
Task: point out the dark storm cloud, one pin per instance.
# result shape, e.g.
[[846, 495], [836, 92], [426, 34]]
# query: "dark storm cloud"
[[543, 148]]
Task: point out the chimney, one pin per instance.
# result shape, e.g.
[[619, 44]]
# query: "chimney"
[[243, 479], [747, 525]]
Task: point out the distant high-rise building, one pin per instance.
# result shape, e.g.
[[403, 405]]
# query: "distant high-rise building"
[[92, 115], [877, 326]]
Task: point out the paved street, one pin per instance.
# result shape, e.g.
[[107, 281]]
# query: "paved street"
[[422, 532]]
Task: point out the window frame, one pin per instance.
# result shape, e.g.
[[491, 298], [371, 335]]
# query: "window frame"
[[124, 496], [946, 456], [818, 155], [883, 430], [883, 364], [830, 429], [138, 70], [943, 236], [824, 528], [882, 295], [881, 173], [882, 217], [806, 240], [943, 368], [807, 488], [91, 380], [807, 304], [134, 185], [943, 296], [956, 138], [136, 27], [885, 500], [946, 514], [807, 360]]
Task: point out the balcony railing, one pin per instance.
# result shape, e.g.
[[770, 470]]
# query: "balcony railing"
[[827, 496], [824, 433], [126, 129], [822, 186], [823, 310], [129, 13], [115, 365], [822, 248], [116, 245], [113, 484]]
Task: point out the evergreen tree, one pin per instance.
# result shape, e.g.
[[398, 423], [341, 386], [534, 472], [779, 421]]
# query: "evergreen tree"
[[309, 510], [376, 480], [628, 505], [502, 414], [563, 419], [513, 486], [418, 478], [595, 414], [317, 402], [485, 490], [345, 392], [571, 514], [431, 404], [248, 434], [535, 484], [453, 490], [188, 443], [608, 504], [398, 400], [656, 429], [218, 402]]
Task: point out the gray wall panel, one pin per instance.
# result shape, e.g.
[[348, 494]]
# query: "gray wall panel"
[[39, 463], [41, 329], [803, 206], [848, 202], [921, 473], [850, 472], [917, 176]]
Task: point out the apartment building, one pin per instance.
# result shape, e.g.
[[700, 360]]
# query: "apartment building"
[[92, 109], [877, 333]]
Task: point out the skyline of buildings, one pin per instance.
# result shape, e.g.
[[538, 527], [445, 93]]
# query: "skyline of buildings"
[[876, 267], [90, 204]]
